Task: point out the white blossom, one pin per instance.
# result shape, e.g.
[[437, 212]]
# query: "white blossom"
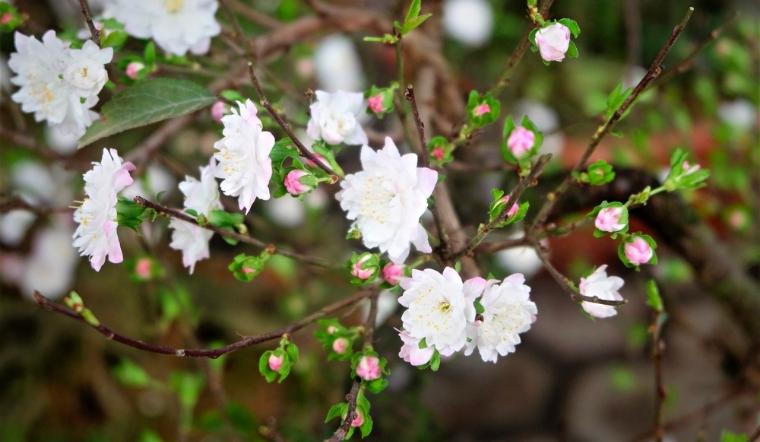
[[508, 311], [96, 234], [202, 196], [604, 287], [243, 154], [411, 351], [386, 200], [439, 306], [58, 84], [335, 118], [177, 26]]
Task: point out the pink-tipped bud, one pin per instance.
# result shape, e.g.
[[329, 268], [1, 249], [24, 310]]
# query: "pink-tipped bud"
[[481, 109], [512, 210], [358, 420], [392, 273], [358, 269], [340, 345], [293, 183], [368, 368], [553, 41], [142, 268], [690, 168], [218, 110], [133, 69], [275, 362], [438, 153], [375, 103], [520, 141], [608, 219], [638, 251], [6, 18]]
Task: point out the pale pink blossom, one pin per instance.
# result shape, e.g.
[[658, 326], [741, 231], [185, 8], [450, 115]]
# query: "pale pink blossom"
[[553, 41], [133, 69], [275, 362], [411, 351], [340, 345], [481, 109], [293, 183], [375, 103], [638, 251], [392, 273], [608, 219], [520, 141], [218, 110], [368, 368]]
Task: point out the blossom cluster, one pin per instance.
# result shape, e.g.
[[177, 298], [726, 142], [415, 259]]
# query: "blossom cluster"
[[57, 83], [446, 315]]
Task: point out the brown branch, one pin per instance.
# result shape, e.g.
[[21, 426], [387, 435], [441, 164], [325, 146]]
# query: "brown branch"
[[655, 69], [85, 8], [244, 238], [658, 346], [245, 342], [568, 285]]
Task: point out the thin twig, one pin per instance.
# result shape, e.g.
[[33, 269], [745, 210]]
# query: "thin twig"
[[655, 69], [244, 238], [356, 387], [85, 8], [246, 341], [286, 126], [568, 285], [513, 198], [658, 346]]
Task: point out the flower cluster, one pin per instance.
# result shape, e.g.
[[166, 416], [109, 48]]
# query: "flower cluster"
[[445, 315], [386, 200], [57, 83], [177, 26], [96, 234]]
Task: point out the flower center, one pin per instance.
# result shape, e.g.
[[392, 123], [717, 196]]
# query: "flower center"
[[173, 6], [444, 306]]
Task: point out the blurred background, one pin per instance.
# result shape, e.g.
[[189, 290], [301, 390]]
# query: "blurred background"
[[572, 379]]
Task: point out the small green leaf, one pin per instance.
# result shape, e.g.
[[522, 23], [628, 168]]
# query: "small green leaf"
[[572, 50], [131, 374], [147, 102], [654, 299], [149, 54], [572, 25], [220, 218], [337, 410]]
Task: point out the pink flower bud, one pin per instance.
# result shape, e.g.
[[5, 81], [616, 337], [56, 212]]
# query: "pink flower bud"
[[142, 268], [520, 141], [638, 251], [392, 273], [6, 18], [275, 362], [690, 168], [608, 219], [437, 153], [553, 41], [358, 269], [368, 368], [293, 182], [512, 210], [340, 345], [358, 420], [375, 103], [217, 110], [133, 69], [481, 109], [319, 157]]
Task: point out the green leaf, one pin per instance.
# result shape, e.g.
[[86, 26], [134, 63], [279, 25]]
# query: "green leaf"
[[654, 299], [149, 436], [147, 102], [149, 54], [727, 436], [572, 50], [337, 410], [131, 374], [188, 387], [130, 214], [220, 218], [572, 25], [115, 39]]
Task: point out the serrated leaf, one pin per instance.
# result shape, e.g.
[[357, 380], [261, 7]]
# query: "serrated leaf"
[[147, 102]]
